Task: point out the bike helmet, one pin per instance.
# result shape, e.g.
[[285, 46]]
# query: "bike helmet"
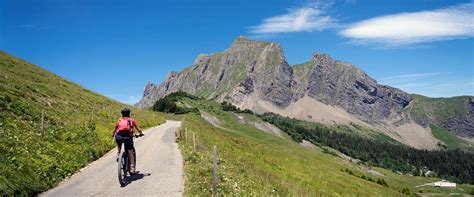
[[125, 112]]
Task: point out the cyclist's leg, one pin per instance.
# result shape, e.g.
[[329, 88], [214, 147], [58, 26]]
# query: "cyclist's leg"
[[118, 141], [131, 155]]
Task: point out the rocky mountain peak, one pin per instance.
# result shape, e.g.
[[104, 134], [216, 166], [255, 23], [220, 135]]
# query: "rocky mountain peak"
[[258, 69], [171, 75], [244, 44], [318, 57], [149, 88], [202, 58]]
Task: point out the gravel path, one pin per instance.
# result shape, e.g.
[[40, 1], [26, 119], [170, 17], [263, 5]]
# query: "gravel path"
[[159, 163]]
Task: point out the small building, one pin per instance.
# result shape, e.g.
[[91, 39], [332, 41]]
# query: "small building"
[[444, 184]]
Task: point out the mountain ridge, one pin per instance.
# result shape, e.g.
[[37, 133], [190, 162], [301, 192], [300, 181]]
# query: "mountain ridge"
[[255, 75]]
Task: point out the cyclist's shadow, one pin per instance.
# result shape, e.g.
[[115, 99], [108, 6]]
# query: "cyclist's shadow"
[[135, 177]]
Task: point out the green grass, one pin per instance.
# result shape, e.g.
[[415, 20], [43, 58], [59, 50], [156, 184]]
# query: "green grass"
[[438, 110], [449, 139], [252, 162], [32, 161]]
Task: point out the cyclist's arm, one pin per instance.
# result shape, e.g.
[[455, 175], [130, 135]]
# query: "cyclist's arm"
[[137, 127], [115, 129], [139, 130]]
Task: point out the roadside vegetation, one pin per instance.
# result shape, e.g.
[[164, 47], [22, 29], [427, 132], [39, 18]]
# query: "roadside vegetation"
[[255, 163], [78, 125]]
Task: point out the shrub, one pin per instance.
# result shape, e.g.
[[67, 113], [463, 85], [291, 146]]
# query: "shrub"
[[226, 106], [406, 191], [382, 182], [167, 104]]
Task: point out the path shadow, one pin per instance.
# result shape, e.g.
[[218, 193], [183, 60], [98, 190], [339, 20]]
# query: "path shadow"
[[137, 176]]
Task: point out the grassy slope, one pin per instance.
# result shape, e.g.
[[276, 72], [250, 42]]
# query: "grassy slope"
[[252, 162], [450, 140], [32, 162], [438, 110]]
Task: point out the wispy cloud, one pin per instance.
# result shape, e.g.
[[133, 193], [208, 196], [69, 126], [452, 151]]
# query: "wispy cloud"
[[416, 75], [440, 88], [434, 84], [415, 27], [130, 100], [312, 17]]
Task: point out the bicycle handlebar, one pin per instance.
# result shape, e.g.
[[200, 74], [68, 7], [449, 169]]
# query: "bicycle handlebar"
[[136, 136], [141, 135]]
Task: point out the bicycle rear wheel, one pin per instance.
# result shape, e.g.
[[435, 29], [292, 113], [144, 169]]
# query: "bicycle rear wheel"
[[123, 164], [134, 161]]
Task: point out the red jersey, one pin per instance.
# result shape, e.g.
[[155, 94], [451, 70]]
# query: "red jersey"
[[125, 124]]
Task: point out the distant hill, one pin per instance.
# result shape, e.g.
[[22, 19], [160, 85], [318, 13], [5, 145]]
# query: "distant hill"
[[255, 75], [33, 160]]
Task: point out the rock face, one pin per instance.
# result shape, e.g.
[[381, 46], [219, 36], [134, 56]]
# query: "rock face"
[[254, 71], [247, 67], [342, 84], [463, 126], [259, 69]]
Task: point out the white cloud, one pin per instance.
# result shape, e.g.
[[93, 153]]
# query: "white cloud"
[[131, 100], [416, 75], [309, 18], [415, 27]]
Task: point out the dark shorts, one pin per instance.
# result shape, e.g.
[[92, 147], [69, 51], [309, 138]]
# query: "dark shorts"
[[124, 138]]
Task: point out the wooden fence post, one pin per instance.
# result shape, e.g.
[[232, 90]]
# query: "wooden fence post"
[[214, 180], [186, 135], [194, 142], [42, 122]]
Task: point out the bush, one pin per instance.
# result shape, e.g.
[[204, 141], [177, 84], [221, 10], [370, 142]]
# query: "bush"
[[226, 106], [176, 96], [406, 191], [229, 107], [382, 182], [167, 104]]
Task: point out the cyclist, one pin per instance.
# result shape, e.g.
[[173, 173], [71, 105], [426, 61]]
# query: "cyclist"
[[123, 133]]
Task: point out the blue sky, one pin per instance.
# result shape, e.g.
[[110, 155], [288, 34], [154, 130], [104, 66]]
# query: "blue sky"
[[116, 47]]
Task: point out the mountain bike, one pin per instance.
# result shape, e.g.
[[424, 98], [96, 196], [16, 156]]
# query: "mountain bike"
[[124, 163]]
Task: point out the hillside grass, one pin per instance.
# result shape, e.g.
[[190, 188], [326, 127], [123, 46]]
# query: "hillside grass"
[[438, 110], [252, 162], [32, 161], [450, 140]]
